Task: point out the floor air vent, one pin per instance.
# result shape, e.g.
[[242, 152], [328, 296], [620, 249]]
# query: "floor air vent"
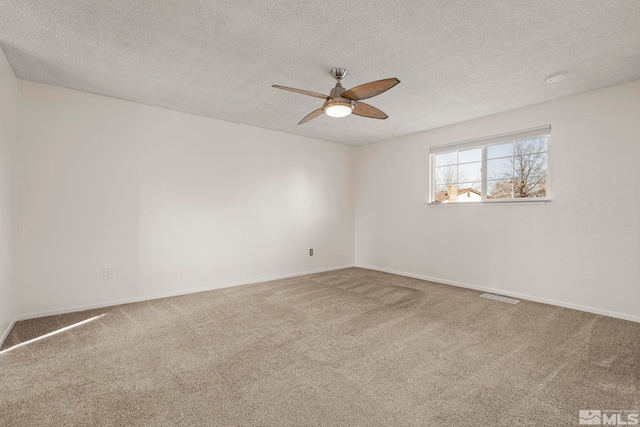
[[499, 298]]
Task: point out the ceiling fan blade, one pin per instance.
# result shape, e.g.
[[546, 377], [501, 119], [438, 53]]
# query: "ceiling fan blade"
[[366, 110], [303, 92], [370, 89], [312, 115]]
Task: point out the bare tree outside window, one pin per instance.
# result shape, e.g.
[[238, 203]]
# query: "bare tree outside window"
[[458, 167], [447, 176], [524, 174]]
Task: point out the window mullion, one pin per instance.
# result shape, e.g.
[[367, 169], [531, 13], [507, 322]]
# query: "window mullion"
[[483, 183], [513, 171], [432, 178]]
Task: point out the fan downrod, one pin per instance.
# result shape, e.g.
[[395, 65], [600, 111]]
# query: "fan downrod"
[[338, 73]]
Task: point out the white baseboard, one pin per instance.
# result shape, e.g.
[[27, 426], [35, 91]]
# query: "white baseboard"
[[5, 333], [617, 315], [27, 316], [527, 297]]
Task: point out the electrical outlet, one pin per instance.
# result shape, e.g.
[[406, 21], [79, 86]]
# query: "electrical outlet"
[[107, 273], [310, 252]]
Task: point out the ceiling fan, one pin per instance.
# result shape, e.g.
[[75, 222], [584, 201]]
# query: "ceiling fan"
[[342, 102]]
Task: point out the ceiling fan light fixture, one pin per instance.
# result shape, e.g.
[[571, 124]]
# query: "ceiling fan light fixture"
[[338, 108], [341, 102]]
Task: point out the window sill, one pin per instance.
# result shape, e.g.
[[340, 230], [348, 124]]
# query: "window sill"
[[532, 201]]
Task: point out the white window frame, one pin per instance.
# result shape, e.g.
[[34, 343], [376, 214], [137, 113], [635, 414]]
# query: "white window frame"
[[483, 143]]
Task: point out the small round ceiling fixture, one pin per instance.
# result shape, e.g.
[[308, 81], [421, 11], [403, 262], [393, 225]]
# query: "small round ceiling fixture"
[[556, 77]]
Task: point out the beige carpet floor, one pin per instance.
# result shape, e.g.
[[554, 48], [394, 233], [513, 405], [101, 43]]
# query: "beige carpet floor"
[[352, 347]]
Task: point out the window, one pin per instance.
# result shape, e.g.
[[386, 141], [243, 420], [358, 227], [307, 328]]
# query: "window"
[[509, 167]]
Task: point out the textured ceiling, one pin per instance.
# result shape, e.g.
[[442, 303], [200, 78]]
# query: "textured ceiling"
[[457, 60]]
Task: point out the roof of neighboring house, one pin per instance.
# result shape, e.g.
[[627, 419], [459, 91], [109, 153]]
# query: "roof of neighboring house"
[[442, 196]]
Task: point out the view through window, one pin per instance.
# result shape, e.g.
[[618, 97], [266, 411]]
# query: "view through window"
[[512, 166]]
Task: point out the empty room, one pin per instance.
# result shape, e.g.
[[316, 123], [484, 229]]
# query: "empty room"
[[282, 213]]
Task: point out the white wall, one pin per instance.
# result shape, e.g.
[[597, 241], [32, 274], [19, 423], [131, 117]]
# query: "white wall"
[[8, 141], [173, 202], [580, 250]]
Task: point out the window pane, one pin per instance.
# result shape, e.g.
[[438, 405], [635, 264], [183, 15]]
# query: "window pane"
[[446, 159], [476, 185], [440, 197], [500, 168], [530, 177], [469, 192], [447, 195], [540, 190], [527, 188], [502, 189], [531, 167], [470, 172], [532, 145], [500, 150], [444, 176], [472, 155], [463, 192]]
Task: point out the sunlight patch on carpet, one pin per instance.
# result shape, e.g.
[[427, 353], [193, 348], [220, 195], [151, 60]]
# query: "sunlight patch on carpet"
[[66, 328]]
